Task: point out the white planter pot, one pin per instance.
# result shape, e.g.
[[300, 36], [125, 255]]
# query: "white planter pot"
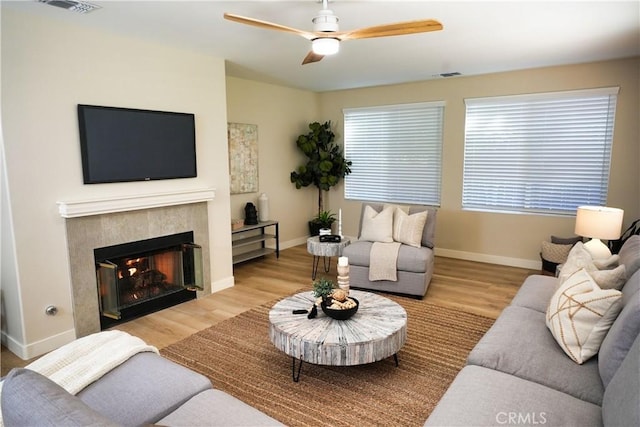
[[325, 231]]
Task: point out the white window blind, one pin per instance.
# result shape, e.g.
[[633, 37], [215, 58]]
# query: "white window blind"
[[396, 152], [542, 153]]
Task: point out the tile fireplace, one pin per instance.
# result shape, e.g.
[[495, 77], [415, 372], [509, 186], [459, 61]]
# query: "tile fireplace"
[[102, 230]]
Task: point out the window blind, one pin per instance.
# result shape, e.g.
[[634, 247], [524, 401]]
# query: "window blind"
[[542, 153], [396, 152]]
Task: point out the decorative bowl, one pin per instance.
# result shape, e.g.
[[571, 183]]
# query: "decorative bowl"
[[340, 314]]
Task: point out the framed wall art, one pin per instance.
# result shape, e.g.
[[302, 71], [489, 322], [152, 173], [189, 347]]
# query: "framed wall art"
[[243, 157]]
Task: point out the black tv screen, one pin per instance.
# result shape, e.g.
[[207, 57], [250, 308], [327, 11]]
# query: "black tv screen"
[[124, 144]]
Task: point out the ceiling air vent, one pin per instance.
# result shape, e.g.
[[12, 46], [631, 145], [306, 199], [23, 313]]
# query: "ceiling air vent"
[[72, 5]]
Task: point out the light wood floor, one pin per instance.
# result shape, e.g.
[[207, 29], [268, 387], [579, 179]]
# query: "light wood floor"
[[475, 287]]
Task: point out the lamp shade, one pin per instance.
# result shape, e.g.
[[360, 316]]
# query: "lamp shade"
[[325, 46], [599, 222]]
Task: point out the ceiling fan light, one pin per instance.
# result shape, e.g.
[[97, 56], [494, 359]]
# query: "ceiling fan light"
[[325, 46]]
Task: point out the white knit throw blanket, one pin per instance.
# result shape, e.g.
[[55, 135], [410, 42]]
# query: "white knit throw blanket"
[[76, 365], [383, 261]]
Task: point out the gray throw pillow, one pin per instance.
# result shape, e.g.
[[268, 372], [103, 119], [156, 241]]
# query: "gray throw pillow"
[[623, 332], [31, 399], [565, 240], [630, 254]]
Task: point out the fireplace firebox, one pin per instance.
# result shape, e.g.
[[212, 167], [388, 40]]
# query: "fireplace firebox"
[[144, 276]]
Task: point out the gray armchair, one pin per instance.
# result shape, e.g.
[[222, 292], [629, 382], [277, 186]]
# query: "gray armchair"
[[414, 264]]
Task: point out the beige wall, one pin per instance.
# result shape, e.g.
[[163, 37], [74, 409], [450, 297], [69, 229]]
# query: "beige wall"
[[281, 115], [504, 238], [47, 69]]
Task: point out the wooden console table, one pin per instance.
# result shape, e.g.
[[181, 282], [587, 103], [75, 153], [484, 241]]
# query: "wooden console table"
[[255, 239]]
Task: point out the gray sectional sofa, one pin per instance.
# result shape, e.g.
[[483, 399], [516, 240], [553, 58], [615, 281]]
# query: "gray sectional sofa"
[[146, 389], [414, 264], [518, 375]]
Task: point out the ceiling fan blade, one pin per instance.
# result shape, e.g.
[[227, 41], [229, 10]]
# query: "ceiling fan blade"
[[311, 57], [397, 29], [268, 25]]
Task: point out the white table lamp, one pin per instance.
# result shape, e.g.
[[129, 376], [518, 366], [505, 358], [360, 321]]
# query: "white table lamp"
[[598, 222]]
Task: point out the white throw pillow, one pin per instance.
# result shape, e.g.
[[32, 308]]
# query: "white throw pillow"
[[579, 258], [408, 229], [404, 208], [580, 314], [377, 227]]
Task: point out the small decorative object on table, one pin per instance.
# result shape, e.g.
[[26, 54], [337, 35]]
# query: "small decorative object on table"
[[323, 288], [250, 214], [329, 238], [324, 232], [343, 273], [335, 303], [237, 224], [263, 207], [339, 306]]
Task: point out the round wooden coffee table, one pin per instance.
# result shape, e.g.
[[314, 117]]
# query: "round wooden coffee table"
[[377, 331]]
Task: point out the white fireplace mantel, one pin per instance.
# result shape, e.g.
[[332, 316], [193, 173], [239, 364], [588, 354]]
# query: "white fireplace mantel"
[[80, 208]]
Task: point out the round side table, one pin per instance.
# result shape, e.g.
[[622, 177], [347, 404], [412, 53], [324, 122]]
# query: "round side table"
[[326, 250]]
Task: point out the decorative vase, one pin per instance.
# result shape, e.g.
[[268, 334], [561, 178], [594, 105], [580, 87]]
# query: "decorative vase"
[[263, 207]]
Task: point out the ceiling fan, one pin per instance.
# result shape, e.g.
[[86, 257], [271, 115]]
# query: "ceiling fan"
[[326, 37]]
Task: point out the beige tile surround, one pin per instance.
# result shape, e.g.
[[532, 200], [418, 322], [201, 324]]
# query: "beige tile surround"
[[86, 233]]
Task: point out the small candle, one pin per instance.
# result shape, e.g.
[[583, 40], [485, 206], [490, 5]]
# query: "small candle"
[[343, 261]]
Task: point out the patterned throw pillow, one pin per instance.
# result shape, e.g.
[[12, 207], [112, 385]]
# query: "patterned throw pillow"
[[580, 314], [556, 253], [408, 229], [377, 227]]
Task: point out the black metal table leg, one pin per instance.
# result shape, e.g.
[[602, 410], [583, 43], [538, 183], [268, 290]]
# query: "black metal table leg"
[[327, 264], [326, 261], [314, 270], [295, 375]]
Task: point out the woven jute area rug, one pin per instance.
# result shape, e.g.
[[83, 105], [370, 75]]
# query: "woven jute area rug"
[[239, 359]]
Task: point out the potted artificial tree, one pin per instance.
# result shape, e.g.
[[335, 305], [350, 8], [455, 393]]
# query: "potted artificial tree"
[[324, 168]]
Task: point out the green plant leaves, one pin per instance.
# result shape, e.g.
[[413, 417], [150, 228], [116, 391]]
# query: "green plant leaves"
[[326, 164], [322, 287]]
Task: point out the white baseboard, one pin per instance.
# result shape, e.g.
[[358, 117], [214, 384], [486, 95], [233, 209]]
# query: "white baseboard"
[[218, 285], [38, 348], [230, 281], [288, 244], [490, 259]]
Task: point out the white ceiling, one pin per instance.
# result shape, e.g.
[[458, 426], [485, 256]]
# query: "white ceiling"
[[478, 36]]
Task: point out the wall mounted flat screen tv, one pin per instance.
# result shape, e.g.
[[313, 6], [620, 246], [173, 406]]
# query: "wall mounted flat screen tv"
[[124, 144]]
